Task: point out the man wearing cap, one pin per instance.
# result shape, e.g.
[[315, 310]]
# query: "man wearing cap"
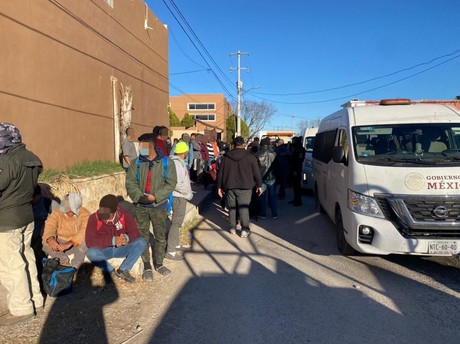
[[150, 181], [189, 158], [239, 173], [112, 233], [64, 233], [19, 170], [182, 193]]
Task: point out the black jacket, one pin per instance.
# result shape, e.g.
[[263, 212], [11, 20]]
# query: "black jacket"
[[19, 170], [239, 170], [268, 164]]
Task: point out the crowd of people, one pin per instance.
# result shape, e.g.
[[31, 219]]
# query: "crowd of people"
[[159, 175], [249, 177], [32, 226]]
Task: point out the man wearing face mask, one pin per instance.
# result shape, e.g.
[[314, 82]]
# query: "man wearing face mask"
[[112, 233], [64, 233], [150, 181]]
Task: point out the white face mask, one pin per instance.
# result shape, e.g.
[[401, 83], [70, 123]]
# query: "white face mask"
[[144, 151]]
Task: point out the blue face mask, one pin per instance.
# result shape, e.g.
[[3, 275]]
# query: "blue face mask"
[[144, 151]]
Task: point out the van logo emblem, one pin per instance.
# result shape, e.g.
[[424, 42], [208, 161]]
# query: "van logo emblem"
[[441, 211], [415, 181]]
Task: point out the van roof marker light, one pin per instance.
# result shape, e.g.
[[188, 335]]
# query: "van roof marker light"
[[400, 101]]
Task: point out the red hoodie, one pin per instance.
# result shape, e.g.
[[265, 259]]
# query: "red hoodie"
[[101, 233]]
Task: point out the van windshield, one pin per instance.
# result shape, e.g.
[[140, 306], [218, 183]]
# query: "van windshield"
[[408, 144]]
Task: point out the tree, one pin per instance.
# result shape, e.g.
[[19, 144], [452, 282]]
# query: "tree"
[[231, 128], [187, 121], [256, 115], [173, 120], [309, 123]]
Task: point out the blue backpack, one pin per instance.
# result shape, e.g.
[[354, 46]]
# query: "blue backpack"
[[165, 161]]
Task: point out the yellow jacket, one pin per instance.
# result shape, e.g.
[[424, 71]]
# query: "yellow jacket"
[[65, 228]]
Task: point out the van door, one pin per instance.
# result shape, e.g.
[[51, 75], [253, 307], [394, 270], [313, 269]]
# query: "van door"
[[339, 173]]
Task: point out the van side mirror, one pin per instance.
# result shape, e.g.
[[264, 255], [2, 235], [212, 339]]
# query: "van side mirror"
[[338, 154]]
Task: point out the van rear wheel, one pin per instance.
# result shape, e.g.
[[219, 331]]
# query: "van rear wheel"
[[342, 244], [318, 206]]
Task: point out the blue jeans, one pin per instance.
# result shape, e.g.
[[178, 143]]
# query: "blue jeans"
[[270, 193], [131, 252]]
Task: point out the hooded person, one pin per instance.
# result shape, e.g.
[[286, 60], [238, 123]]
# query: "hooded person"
[[19, 171], [64, 232], [239, 173]]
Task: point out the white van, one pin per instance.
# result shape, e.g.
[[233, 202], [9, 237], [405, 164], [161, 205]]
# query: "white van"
[[308, 141], [388, 174]]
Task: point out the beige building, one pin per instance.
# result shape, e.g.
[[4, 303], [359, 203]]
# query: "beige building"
[[63, 66], [209, 110]]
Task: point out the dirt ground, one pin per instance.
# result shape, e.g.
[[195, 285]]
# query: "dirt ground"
[[96, 312]]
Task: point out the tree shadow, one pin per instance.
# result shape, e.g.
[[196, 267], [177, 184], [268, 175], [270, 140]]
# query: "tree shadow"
[[78, 317]]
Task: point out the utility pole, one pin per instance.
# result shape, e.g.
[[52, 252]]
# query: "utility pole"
[[239, 89]]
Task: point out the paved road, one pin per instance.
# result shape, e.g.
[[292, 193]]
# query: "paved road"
[[287, 283]]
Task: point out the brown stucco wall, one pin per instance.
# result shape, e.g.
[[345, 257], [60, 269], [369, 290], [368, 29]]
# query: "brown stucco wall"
[[222, 111], [57, 60]]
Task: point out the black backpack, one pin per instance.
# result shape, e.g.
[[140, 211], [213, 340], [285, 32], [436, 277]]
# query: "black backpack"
[[57, 279]]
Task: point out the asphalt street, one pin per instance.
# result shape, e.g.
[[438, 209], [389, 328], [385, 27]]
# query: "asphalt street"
[[287, 283]]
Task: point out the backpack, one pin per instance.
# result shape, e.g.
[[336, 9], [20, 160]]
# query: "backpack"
[[165, 161], [57, 279]]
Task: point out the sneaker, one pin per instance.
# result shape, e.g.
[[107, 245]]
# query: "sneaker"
[[184, 247], [176, 256], [10, 319], [232, 231], [275, 217], [163, 270], [263, 217], [245, 234], [147, 275], [125, 275]]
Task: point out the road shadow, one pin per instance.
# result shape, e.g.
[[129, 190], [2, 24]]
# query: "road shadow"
[[78, 317], [273, 301]]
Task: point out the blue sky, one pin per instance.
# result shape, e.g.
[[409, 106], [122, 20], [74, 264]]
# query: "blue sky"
[[308, 46]]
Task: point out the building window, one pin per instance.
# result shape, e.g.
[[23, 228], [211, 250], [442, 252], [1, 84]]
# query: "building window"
[[109, 2], [201, 106], [204, 116]]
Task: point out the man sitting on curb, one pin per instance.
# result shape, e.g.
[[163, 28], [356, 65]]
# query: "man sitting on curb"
[[112, 233], [64, 232], [182, 193]]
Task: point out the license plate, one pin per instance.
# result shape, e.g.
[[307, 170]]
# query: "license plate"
[[443, 247]]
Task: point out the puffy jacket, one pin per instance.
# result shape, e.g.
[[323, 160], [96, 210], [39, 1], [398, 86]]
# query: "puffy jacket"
[[183, 187], [19, 170], [60, 226], [102, 234], [268, 164], [160, 186], [239, 170]]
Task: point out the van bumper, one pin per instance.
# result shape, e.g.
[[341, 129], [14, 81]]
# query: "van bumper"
[[387, 239]]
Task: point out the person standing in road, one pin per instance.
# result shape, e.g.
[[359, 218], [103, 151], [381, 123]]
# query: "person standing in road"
[[282, 154], [297, 155], [128, 148], [238, 175], [182, 193], [150, 181], [268, 163], [19, 170]]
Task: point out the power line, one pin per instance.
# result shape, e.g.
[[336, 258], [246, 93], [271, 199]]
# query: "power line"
[[199, 52], [182, 51], [365, 81], [363, 92]]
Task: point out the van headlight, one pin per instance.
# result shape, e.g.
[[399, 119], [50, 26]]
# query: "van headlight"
[[362, 204]]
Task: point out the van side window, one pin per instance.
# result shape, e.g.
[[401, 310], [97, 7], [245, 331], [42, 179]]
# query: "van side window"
[[322, 149]]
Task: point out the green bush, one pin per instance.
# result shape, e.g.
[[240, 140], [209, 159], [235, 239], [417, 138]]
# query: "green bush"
[[83, 169]]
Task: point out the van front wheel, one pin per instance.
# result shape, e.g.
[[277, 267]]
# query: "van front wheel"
[[342, 244]]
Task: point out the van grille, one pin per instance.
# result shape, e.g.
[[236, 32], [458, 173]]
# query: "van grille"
[[422, 216]]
